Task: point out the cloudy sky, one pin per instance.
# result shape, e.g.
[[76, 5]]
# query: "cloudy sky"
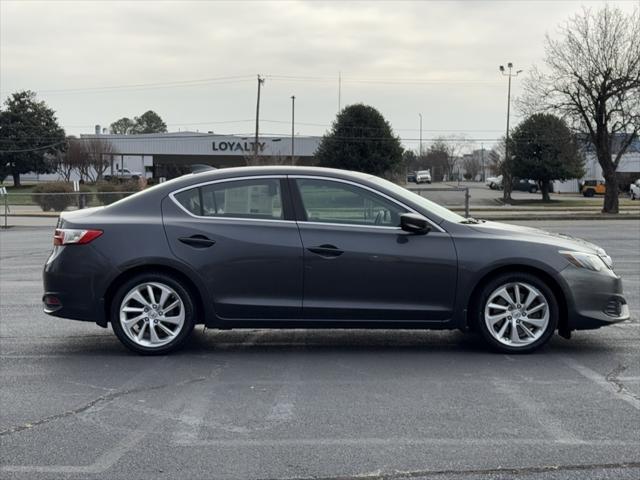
[[195, 62]]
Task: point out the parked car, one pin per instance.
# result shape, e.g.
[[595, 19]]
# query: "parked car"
[[634, 190], [519, 184], [494, 183], [411, 177], [525, 185], [423, 176], [123, 174], [593, 187], [303, 247]]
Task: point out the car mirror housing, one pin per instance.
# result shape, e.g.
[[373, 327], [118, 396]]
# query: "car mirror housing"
[[414, 223]]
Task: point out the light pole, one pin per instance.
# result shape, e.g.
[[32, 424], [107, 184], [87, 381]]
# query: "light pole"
[[255, 144], [420, 147], [293, 118], [507, 190]]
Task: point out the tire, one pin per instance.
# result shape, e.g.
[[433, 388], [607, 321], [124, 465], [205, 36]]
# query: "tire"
[[533, 190], [154, 320], [540, 319], [588, 193]]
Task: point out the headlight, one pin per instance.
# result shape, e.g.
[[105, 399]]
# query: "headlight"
[[589, 261]]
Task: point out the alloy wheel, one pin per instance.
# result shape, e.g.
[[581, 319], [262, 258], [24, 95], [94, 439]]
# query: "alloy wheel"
[[516, 314], [152, 314]]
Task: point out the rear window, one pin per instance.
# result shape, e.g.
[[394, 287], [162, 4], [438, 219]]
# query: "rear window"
[[254, 198]]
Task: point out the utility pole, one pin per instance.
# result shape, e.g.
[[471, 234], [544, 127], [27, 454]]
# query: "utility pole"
[[482, 157], [339, 91], [420, 147], [255, 143], [293, 122], [507, 188]]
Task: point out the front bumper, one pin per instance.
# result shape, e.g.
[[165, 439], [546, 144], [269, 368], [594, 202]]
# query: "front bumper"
[[594, 299]]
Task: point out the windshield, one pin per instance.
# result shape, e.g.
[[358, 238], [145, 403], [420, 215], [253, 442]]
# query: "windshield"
[[438, 210]]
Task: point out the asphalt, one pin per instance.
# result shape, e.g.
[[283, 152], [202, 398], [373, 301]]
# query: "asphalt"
[[302, 404]]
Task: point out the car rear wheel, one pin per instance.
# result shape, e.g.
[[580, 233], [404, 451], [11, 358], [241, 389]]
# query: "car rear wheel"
[[152, 314], [517, 313]]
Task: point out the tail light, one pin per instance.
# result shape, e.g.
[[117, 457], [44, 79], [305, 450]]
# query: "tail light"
[[70, 236]]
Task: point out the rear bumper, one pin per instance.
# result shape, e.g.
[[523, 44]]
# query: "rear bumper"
[[74, 275], [594, 299]]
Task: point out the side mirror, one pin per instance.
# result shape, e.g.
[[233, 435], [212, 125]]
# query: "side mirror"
[[414, 223]]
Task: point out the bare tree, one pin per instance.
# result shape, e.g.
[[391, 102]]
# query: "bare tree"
[[472, 166], [593, 79], [97, 160]]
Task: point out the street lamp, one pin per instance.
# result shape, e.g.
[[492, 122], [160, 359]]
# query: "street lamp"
[[293, 116], [510, 75], [420, 147]]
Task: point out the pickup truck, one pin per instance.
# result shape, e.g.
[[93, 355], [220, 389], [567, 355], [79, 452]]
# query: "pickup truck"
[[123, 174], [634, 190]]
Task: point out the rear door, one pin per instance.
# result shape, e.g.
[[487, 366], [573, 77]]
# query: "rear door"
[[358, 263], [239, 235]]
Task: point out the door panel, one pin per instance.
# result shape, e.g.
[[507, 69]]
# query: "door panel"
[[359, 265], [382, 274], [252, 267]]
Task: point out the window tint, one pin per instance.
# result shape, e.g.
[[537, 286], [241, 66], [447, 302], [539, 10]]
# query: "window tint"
[[256, 198], [190, 199], [337, 202]]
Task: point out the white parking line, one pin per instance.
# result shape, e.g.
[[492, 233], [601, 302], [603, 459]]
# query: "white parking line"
[[537, 413], [601, 381], [401, 441], [105, 461]]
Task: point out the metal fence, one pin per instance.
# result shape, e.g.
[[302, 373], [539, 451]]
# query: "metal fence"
[[454, 198], [45, 204]]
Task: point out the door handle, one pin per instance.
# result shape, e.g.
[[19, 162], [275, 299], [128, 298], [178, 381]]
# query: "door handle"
[[328, 251], [197, 241]]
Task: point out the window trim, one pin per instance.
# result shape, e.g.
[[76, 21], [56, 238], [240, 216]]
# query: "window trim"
[[283, 193], [301, 214]]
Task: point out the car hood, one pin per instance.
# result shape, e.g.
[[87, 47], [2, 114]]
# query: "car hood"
[[560, 240]]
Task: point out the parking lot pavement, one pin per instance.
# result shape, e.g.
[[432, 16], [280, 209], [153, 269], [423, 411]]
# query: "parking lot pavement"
[[305, 404]]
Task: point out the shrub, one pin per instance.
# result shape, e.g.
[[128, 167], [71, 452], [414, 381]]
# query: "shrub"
[[109, 192], [57, 201]]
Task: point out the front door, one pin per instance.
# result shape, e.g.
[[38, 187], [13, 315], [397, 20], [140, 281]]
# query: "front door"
[[239, 235], [358, 263]]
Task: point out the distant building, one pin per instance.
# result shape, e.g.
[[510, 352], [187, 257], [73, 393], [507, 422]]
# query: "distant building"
[[168, 154]]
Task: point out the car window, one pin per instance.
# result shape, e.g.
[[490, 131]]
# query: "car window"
[[328, 201], [255, 198]]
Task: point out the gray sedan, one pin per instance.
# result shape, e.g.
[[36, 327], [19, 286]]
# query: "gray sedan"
[[301, 247]]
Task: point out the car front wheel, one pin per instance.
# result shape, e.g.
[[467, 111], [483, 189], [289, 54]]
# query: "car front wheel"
[[152, 314], [518, 313]]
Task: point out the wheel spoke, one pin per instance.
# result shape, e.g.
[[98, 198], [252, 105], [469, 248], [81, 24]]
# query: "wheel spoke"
[[172, 306], [503, 293], [530, 298], [536, 322], [498, 306], [152, 298], [137, 296], [133, 309], [153, 335], [165, 329], [130, 322], [515, 336], [516, 289], [141, 332], [540, 306], [527, 332], [493, 319], [164, 295], [503, 329]]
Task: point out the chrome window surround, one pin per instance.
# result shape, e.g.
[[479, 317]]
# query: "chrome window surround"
[[314, 177], [233, 179]]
